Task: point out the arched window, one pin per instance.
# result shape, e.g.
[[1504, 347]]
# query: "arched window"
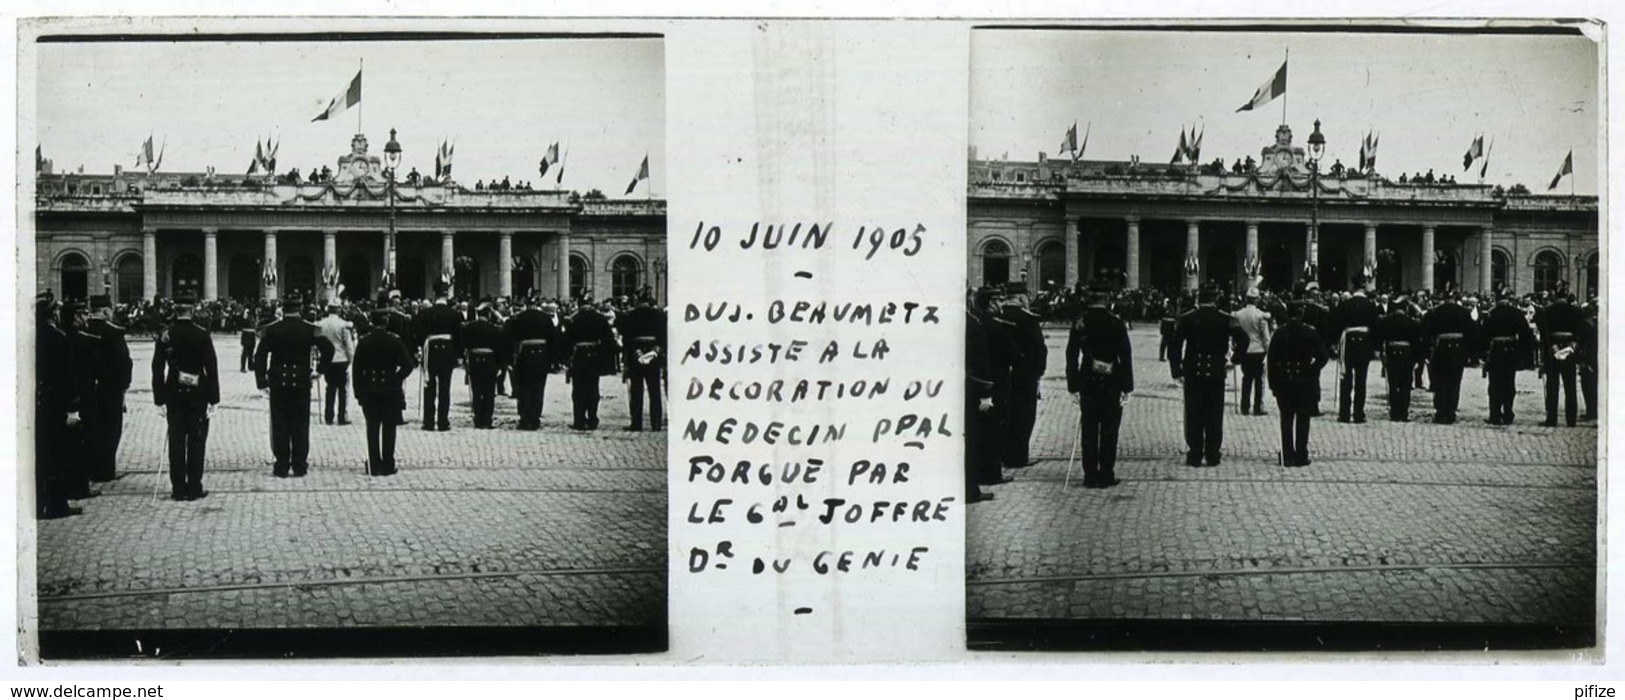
[[1593, 282], [129, 274], [1500, 267], [524, 276], [1051, 265], [299, 275], [186, 276], [1548, 270], [580, 271], [995, 263], [625, 276], [355, 274], [243, 277], [1444, 270], [75, 277]]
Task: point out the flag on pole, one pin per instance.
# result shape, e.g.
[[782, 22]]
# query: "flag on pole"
[[39, 159], [549, 158], [1069, 143], [259, 158], [160, 161], [1181, 149], [443, 158], [344, 100], [1486, 167], [560, 179], [1085, 145], [1193, 152], [643, 174], [1271, 89], [1368, 152], [1474, 152], [270, 154], [1567, 169], [144, 155]]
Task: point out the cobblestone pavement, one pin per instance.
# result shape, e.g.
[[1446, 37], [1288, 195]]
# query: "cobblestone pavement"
[[479, 528], [1409, 522]]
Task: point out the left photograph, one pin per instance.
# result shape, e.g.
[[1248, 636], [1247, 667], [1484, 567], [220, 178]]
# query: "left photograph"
[[344, 345]]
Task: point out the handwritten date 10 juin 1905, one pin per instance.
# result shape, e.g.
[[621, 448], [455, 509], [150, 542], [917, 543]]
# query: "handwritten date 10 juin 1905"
[[870, 240]]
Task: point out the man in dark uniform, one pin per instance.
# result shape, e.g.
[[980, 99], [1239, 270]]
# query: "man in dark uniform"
[[381, 363], [85, 359], [1559, 344], [283, 366], [104, 411], [1510, 343], [592, 350], [643, 329], [56, 412], [1002, 356], [1203, 340], [186, 383], [1296, 356], [1354, 319], [978, 405], [536, 340], [1100, 372], [249, 338], [1449, 330], [1399, 335], [440, 329], [1588, 360], [1027, 335], [487, 350]]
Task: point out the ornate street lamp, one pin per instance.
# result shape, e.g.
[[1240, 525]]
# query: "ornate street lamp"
[[392, 160], [1317, 149]]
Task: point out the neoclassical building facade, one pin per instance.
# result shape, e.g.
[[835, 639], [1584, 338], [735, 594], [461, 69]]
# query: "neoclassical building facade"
[[1061, 222], [140, 235]]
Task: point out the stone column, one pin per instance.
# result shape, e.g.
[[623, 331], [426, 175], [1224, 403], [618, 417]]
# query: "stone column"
[[1486, 258], [1193, 248], [330, 259], [1072, 252], [211, 265], [149, 264], [505, 264], [448, 257], [1252, 254], [1427, 257], [268, 291], [1370, 254], [1133, 262], [563, 291]]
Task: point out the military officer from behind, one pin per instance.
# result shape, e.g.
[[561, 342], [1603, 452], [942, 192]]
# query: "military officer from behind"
[[1028, 369], [487, 351], [643, 330], [1449, 331], [1560, 326], [440, 329], [1203, 340], [1399, 336], [1510, 343], [535, 337], [381, 363], [186, 384], [1353, 321], [56, 412], [592, 351], [104, 411], [1100, 373], [1296, 356], [283, 363]]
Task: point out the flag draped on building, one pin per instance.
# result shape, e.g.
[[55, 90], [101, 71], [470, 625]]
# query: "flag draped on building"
[[643, 174], [1474, 152], [1567, 169], [1271, 89], [346, 99]]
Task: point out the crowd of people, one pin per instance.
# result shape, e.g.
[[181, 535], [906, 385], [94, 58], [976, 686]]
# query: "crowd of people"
[[1214, 342], [293, 347]]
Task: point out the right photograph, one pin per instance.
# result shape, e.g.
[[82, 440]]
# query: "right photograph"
[[1284, 338]]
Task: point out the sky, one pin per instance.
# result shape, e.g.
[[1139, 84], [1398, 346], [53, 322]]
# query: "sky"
[[1427, 96], [501, 101]]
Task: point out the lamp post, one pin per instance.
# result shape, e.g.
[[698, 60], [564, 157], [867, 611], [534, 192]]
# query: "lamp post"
[[1317, 148], [392, 160]]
